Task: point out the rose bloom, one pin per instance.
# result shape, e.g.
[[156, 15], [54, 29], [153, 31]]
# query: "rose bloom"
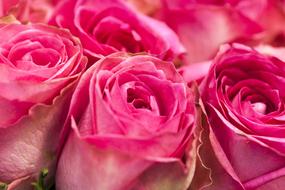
[[243, 96], [109, 26], [27, 10], [38, 66], [203, 25], [132, 122]]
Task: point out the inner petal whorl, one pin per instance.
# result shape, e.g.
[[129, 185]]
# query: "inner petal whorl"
[[138, 98]]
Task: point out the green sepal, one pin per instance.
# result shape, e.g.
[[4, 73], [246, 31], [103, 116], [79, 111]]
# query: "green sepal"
[[3, 186], [40, 184]]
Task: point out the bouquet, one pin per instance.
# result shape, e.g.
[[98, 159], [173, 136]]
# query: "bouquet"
[[142, 95]]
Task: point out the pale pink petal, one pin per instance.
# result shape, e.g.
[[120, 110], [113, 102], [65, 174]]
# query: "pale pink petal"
[[202, 29]]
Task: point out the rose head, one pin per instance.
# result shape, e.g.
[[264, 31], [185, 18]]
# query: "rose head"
[[36, 63], [27, 10], [131, 129], [109, 26], [244, 95], [204, 25]]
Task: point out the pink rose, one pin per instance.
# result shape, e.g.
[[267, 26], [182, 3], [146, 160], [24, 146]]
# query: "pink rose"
[[109, 26], [131, 129], [269, 14], [27, 10], [203, 25], [243, 96], [38, 65]]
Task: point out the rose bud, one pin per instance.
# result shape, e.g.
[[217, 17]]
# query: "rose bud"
[[38, 67], [133, 129], [243, 96]]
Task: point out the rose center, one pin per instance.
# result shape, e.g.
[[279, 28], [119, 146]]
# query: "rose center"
[[259, 107], [117, 34], [137, 99]]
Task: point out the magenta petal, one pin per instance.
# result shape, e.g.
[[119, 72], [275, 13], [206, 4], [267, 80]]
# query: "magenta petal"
[[105, 165], [12, 111], [271, 180]]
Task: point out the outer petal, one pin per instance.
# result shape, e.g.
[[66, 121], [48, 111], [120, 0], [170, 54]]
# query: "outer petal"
[[20, 184], [230, 171], [267, 13], [276, 184], [31, 144], [219, 177], [202, 29], [278, 52], [110, 169], [243, 152], [209, 174], [27, 10], [195, 72]]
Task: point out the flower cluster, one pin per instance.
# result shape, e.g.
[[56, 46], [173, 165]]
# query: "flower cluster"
[[142, 95]]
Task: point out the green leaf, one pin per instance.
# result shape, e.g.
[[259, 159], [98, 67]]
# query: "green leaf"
[[3, 186], [40, 184]]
